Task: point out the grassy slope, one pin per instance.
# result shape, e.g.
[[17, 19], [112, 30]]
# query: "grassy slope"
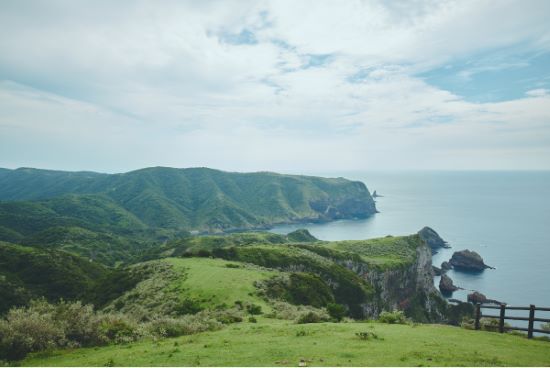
[[27, 272], [274, 343], [211, 281]]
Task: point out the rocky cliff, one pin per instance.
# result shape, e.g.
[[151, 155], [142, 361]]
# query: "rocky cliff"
[[408, 287]]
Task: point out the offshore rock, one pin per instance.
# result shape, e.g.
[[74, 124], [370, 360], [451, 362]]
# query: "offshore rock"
[[445, 266], [437, 271], [446, 285], [466, 260], [432, 238]]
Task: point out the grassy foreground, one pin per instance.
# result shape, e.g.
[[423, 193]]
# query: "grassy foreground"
[[282, 343]]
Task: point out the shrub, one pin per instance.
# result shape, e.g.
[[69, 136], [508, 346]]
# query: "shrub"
[[118, 328], [187, 325], [283, 310], [188, 306], [311, 317], [395, 317], [366, 335], [80, 323], [545, 326], [336, 311], [227, 316], [26, 330], [254, 309], [252, 319]]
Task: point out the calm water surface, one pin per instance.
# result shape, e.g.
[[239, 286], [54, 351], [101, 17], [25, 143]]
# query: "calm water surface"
[[504, 216]]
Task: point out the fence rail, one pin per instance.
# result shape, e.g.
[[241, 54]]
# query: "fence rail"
[[502, 316]]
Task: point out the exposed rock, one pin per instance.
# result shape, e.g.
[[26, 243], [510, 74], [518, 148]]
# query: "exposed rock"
[[399, 287], [437, 271], [446, 285], [477, 297], [376, 195], [445, 266], [451, 300], [433, 239], [466, 260]]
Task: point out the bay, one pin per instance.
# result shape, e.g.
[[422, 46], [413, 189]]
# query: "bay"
[[504, 216]]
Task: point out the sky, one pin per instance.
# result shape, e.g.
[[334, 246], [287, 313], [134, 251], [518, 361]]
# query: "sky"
[[289, 86]]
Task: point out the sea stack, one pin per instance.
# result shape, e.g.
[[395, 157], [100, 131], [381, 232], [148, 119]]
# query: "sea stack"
[[432, 239], [466, 260], [446, 285]]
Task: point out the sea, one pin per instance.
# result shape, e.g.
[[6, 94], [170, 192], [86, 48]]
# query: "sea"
[[502, 215]]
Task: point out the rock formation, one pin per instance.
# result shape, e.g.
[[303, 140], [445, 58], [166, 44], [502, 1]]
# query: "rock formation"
[[445, 266], [437, 271], [466, 260], [434, 241], [446, 285]]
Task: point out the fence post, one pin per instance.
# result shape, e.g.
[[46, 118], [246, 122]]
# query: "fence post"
[[501, 321], [478, 315], [531, 321]]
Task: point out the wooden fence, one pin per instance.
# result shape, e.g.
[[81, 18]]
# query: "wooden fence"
[[502, 316]]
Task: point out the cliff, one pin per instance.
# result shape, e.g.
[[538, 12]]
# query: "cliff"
[[409, 288], [404, 282]]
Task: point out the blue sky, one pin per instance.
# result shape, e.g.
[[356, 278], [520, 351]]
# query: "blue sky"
[[295, 86]]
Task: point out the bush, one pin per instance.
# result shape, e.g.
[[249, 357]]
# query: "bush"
[[311, 317], [336, 311], [545, 326], [227, 316], [395, 317], [252, 319], [188, 306], [80, 324], [367, 335], [283, 310], [254, 309], [43, 326], [26, 330], [118, 328]]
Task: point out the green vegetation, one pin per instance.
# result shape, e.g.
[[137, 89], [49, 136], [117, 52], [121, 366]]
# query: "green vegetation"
[[387, 252], [183, 199], [280, 343], [126, 218], [27, 273], [212, 283]]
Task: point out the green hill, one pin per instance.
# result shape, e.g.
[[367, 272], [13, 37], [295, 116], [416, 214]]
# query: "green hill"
[[269, 285], [197, 198], [27, 273]]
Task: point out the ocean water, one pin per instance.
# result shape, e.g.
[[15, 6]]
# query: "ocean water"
[[504, 216]]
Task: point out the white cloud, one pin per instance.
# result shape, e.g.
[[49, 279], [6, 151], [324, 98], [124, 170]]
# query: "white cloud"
[[324, 85]]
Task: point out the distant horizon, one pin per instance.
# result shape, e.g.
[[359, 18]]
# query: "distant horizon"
[[289, 172]]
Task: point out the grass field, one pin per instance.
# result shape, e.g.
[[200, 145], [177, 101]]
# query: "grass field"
[[216, 281], [282, 343]]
